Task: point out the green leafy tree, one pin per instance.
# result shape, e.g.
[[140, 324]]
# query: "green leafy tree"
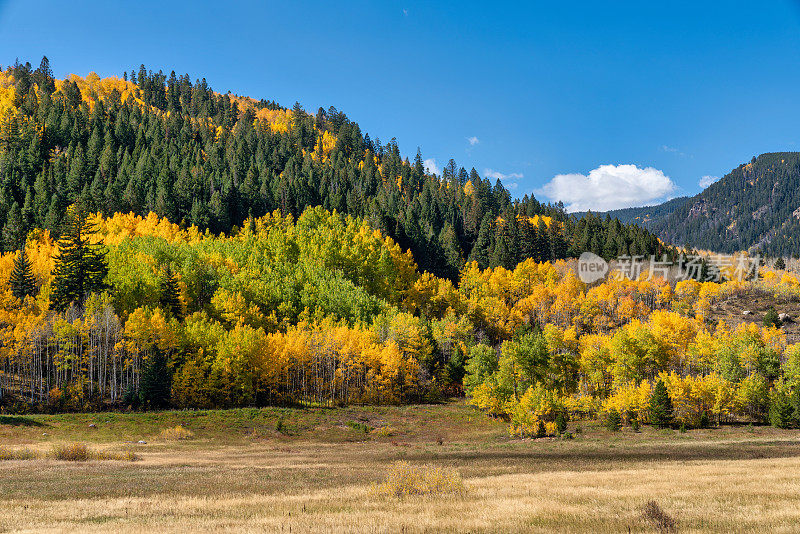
[[482, 363], [169, 294]]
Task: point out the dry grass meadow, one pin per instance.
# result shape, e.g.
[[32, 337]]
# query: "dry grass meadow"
[[325, 470]]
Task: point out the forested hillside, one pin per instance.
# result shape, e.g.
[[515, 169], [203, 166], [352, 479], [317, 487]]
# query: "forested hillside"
[[647, 216], [150, 142], [755, 207], [169, 246], [324, 310]]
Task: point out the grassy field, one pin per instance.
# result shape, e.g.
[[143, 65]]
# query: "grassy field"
[[317, 470]]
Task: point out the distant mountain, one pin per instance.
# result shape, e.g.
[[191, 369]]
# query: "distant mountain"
[[647, 216], [754, 207], [644, 216]]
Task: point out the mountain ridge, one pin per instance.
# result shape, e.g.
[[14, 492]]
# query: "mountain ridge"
[[754, 207]]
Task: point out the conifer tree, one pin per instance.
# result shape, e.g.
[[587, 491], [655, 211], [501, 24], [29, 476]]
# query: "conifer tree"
[[448, 241], [22, 281], [169, 294], [13, 231], [482, 250], [81, 266], [660, 406], [613, 420], [154, 391]]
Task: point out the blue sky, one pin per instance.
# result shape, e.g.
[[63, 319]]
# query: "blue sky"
[[624, 103]]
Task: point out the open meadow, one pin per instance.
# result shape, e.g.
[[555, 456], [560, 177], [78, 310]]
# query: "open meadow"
[[320, 470]]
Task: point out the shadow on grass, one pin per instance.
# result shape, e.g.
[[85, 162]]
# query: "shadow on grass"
[[18, 420], [580, 456]]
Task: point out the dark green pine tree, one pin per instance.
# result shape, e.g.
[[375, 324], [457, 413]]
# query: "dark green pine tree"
[[22, 281], [448, 241], [14, 230], [482, 251], [558, 246], [506, 238], [660, 406], [81, 266], [543, 248], [154, 391], [527, 240], [169, 294]]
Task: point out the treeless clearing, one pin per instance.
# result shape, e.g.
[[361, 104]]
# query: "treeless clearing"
[[239, 473]]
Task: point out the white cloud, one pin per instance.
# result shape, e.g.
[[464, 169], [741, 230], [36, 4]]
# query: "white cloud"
[[497, 175], [509, 180], [707, 180], [473, 140], [675, 150], [609, 187], [431, 167]]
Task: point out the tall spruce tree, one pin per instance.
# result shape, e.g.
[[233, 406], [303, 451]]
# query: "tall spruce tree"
[[661, 413], [482, 251], [81, 266], [22, 281], [155, 380]]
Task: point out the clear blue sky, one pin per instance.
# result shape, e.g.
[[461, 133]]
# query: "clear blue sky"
[[691, 89]]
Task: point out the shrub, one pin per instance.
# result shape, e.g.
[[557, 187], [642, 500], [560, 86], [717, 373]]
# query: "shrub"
[[541, 431], [404, 479], [280, 426], [658, 518], [383, 431], [72, 452], [704, 422], [771, 318], [613, 420], [561, 422], [16, 454], [359, 427], [80, 452], [635, 424], [177, 433], [120, 456]]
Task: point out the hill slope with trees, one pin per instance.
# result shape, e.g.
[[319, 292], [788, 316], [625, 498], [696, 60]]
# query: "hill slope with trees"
[[150, 142], [646, 216], [754, 207]]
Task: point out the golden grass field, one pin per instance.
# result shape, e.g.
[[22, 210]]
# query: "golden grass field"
[[233, 471]]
